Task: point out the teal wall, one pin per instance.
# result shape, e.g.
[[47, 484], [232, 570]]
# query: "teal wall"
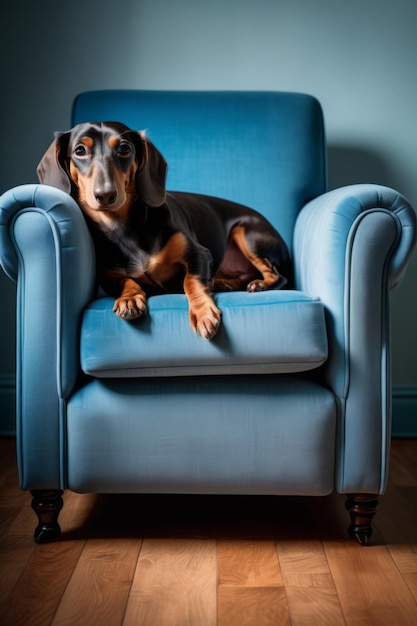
[[357, 57]]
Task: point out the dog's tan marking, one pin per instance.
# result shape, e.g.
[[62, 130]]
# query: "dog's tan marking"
[[132, 301], [270, 275], [87, 141], [204, 315], [166, 263], [113, 141], [126, 193]]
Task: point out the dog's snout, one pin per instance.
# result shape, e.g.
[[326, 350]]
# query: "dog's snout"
[[105, 190], [105, 197]]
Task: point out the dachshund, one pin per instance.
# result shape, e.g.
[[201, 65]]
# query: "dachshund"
[[149, 240]]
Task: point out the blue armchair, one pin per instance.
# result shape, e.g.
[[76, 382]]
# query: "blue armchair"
[[292, 397]]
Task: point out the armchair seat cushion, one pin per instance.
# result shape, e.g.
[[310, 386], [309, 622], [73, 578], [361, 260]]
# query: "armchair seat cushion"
[[268, 332]]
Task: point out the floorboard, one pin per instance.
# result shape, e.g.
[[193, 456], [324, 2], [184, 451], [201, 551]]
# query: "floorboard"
[[102, 566], [174, 584], [210, 561]]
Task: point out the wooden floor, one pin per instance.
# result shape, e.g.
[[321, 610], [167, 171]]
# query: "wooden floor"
[[164, 560]]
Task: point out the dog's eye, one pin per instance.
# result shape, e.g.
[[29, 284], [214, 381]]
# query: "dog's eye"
[[124, 149], [80, 150]]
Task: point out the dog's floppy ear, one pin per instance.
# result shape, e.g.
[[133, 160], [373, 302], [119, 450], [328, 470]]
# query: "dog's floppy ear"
[[52, 167], [151, 174]]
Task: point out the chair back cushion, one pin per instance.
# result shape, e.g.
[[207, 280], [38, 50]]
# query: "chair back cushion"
[[265, 150]]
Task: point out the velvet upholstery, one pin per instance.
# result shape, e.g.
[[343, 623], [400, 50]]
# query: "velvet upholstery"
[[293, 395]]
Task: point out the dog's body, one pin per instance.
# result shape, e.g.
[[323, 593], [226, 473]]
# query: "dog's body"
[[148, 239]]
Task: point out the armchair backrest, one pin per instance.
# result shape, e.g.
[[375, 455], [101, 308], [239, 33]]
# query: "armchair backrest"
[[262, 149]]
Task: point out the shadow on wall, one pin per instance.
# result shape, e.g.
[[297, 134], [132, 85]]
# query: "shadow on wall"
[[350, 165]]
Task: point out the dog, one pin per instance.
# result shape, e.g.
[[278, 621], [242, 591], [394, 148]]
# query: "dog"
[[149, 240]]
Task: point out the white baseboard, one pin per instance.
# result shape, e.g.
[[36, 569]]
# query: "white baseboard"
[[404, 409]]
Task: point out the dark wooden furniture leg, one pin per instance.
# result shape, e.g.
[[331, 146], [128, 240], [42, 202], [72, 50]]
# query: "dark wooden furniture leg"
[[362, 508], [47, 505]]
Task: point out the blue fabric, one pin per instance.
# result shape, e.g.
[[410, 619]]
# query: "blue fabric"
[[376, 228], [263, 150], [46, 247], [218, 435], [254, 336]]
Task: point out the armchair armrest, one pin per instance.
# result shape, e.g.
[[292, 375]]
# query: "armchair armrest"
[[351, 249], [46, 247]]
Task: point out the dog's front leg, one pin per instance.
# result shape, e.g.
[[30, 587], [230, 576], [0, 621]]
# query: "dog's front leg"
[[204, 315], [131, 303]]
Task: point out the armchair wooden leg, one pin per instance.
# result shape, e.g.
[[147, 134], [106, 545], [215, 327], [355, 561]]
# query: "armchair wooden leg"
[[47, 505], [362, 508]]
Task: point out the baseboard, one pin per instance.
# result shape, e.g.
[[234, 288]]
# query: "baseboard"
[[404, 412], [404, 409], [7, 404]]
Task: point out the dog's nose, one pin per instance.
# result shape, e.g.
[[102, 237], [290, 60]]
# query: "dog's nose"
[[105, 198], [105, 194]]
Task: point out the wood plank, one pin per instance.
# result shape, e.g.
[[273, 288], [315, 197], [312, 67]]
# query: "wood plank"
[[252, 606], [403, 466], [248, 563], [251, 589], [37, 594], [397, 518], [13, 501], [76, 514], [286, 561], [174, 584], [311, 592], [99, 587], [397, 523], [371, 590], [15, 552], [25, 520]]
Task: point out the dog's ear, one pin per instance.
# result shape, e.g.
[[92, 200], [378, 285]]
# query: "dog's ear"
[[151, 174], [52, 168]]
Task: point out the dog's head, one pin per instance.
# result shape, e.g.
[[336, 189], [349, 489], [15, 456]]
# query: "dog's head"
[[105, 166]]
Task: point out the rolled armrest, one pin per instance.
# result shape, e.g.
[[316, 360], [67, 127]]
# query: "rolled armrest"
[[351, 249], [46, 247], [325, 225]]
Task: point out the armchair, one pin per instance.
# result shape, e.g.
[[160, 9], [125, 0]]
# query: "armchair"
[[292, 397]]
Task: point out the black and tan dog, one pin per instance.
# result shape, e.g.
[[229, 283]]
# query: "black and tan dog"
[[150, 240]]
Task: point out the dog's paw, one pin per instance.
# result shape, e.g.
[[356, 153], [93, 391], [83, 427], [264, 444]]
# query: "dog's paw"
[[206, 321], [256, 285], [130, 308]]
